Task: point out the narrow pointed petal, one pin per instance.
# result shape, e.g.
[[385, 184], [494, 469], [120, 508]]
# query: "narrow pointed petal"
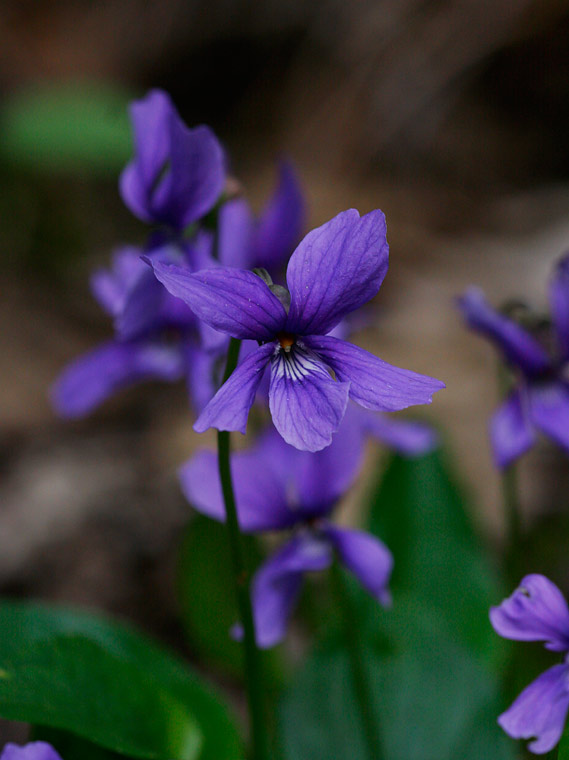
[[30, 751], [150, 117], [232, 301], [337, 268], [92, 378], [200, 375], [517, 345], [411, 439], [307, 405], [281, 222], [549, 409], [277, 584], [374, 384], [511, 431], [322, 478], [366, 557], [559, 300], [235, 234], [259, 495], [229, 408], [536, 611], [540, 711]]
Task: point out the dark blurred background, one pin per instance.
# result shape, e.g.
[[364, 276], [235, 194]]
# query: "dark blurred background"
[[451, 116]]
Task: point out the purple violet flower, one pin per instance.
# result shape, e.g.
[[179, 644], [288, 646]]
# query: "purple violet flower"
[[540, 400], [177, 174], [277, 487], [335, 269], [537, 611], [145, 355], [31, 751]]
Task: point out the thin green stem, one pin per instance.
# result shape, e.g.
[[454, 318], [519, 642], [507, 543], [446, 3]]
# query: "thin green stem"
[[253, 670], [361, 684]]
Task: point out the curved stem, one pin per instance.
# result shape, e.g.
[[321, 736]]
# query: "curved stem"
[[253, 671], [361, 684]]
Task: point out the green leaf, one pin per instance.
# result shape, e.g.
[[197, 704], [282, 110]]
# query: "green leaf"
[[108, 684], [207, 596], [419, 513], [431, 697], [71, 747], [80, 126]]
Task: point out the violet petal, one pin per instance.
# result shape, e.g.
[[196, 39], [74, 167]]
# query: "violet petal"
[[374, 384], [366, 557], [306, 404], [229, 408], [233, 301], [540, 710], [517, 345], [336, 269], [536, 611], [511, 431], [93, 377]]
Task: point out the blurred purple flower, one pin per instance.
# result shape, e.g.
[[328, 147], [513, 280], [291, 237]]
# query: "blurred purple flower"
[[177, 174], [278, 487], [336, 269], [540, 399], [31, 751], [537, 611], [268, 240]]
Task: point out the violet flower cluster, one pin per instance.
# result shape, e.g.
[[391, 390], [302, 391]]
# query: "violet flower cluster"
[[537, 611], [176, 178], [176, 182], [539, 400]]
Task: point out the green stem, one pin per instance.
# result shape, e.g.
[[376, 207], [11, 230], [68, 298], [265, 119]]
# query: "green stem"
[[361, 684], [253, 671]]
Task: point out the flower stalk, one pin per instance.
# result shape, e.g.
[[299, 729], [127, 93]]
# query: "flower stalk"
[[252, 663], [360, 681]]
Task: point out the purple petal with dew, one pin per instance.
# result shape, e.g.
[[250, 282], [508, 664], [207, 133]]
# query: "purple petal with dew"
[[517, 345], [374, 384], [307, 405], [536, 611], [337, 268], [366, 557], [559, 301], [511, 431], [549, 409], [281, 222], [277, 584], [195, 178], [411, 439], [150, 118], [30, 751], [235, 234], [95, 376], [540, 710], [260, 496], [233, 301], [110, 286], [324, 477], [229, 408]]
